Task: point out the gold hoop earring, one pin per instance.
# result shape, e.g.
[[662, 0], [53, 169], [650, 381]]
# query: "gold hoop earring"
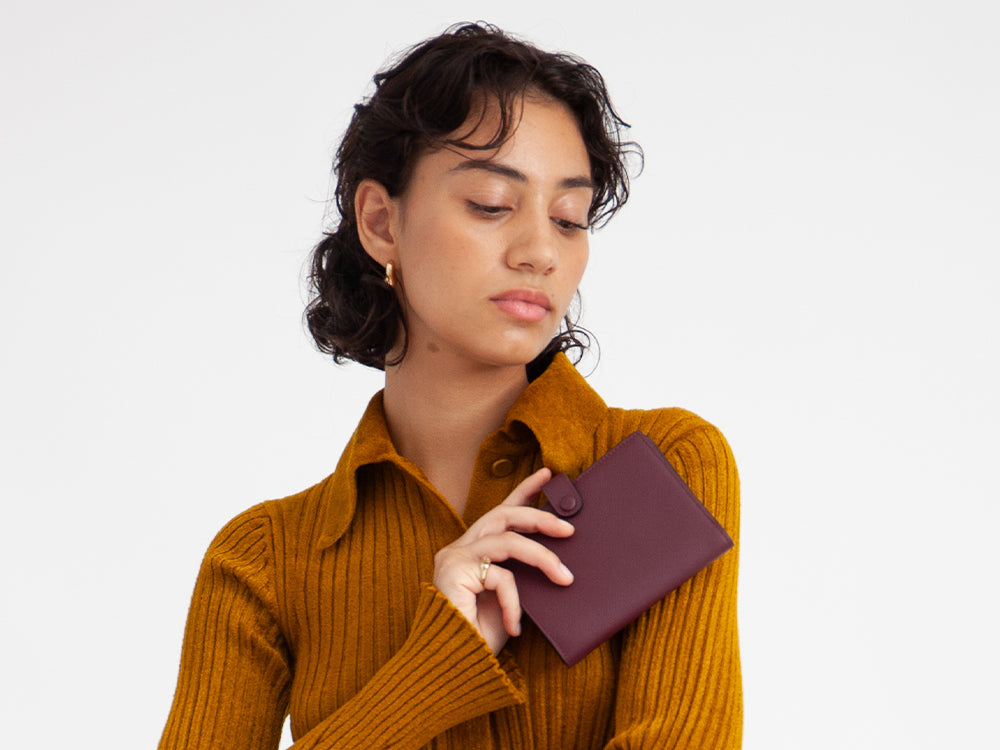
[[388, 274]]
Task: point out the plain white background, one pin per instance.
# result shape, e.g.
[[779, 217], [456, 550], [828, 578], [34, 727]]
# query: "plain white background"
[[809, 261]]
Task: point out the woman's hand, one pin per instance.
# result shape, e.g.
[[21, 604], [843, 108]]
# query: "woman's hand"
[[492, 605]]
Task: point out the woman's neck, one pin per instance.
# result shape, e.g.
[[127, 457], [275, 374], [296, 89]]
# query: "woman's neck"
[[440, 410]]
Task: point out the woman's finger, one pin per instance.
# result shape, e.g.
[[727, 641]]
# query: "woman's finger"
[[515, 513], [517, 518], [502, 581], [528, 488], [512, 546]]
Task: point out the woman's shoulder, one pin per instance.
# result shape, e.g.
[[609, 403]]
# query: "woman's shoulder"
[[272, 521], [695, 447], [299, 507], [668, 427]]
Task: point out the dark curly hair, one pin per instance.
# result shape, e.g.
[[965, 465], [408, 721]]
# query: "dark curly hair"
[[418, 102]]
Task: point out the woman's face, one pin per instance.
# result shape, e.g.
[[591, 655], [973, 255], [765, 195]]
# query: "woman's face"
[[491, 245]]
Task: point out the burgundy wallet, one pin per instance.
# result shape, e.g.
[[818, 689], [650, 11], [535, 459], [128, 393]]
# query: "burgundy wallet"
[[640, 533]]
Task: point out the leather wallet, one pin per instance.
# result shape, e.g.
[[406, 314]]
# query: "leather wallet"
[[640, 533]]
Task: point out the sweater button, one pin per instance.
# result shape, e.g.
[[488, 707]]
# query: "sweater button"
[[502, 467]]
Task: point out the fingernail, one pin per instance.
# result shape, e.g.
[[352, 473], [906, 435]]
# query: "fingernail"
[[517, 628], [566, 570]]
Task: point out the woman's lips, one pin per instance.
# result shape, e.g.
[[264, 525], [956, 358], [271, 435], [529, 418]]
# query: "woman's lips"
[[524, 304]]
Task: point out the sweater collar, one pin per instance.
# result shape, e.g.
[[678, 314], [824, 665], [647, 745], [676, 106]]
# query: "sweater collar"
[[559, 408], [562, 411]]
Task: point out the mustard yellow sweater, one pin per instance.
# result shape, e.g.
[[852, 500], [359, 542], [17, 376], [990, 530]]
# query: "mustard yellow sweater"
[[319, 605]]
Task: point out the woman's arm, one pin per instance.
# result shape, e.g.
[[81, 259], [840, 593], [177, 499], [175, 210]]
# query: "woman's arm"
[[679, 680], [236, 668], [235, 672]]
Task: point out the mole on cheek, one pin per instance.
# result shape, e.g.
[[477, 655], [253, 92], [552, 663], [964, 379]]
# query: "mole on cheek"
[[433, 348]]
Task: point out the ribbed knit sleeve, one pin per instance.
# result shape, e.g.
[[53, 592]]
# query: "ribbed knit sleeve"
[[445, 674], [235, 671], [679, 683]]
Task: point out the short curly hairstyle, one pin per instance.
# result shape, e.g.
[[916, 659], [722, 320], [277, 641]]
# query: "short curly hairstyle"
[[418, 102]]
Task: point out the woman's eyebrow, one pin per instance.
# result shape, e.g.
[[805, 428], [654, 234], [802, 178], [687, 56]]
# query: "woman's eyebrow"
[[513, 174]]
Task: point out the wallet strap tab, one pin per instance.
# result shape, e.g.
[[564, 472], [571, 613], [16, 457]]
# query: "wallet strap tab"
[[562, 495]]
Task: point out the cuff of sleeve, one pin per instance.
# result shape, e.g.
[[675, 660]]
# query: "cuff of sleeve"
[[508, 664], [443, 675], [491, 677]]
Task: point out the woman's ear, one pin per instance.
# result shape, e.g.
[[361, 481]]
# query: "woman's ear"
[[376, 214]]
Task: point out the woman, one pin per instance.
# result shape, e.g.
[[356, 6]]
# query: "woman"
[[374, 607]]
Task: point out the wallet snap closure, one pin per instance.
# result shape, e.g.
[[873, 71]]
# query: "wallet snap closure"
[[562, 495]]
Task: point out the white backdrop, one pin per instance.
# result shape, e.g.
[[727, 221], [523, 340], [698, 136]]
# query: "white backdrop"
[[809, 260]]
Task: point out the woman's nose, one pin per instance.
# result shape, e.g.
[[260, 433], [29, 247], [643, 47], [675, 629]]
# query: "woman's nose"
[[533, 246]]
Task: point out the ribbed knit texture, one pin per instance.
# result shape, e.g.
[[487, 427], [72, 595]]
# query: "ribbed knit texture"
[[319, 604]]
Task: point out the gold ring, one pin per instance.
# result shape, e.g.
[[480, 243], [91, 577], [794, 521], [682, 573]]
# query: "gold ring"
[[484, 568]]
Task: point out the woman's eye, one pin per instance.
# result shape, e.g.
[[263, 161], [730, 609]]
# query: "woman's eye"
[[487, 209], [569, 226]]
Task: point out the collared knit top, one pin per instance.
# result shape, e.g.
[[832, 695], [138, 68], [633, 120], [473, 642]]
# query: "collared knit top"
[[320, 604]]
